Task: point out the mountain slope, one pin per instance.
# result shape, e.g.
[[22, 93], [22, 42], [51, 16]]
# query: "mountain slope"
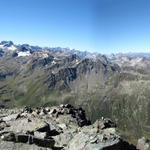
[[115, 88]]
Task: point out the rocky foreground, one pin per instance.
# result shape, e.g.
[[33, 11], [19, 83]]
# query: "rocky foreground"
[[59, 128]]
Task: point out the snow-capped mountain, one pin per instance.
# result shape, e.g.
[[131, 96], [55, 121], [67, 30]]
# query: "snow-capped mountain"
[[8, 45], [26, 50]]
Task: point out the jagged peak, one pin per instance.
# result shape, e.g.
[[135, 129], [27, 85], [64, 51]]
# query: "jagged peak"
[[6, 43]]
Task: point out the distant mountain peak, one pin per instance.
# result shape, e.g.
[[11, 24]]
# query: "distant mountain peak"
[[7, 43]]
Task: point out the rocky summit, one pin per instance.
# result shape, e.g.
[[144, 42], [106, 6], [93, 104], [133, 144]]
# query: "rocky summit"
[[57, 128]]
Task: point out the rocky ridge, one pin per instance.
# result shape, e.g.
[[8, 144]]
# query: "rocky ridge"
[[62, 127]]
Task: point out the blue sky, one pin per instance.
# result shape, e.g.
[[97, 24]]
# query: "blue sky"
[[105, 26]]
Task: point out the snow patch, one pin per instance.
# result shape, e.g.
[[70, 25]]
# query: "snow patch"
[[24, 54], [1, 46], [53, 62], [12, 48], [77, 61], [45, 55]]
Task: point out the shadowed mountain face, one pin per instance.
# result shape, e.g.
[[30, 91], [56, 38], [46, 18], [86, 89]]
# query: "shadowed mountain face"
[[117, 87]]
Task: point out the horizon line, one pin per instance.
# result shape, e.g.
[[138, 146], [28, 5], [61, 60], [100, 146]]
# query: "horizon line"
[[77, 49]]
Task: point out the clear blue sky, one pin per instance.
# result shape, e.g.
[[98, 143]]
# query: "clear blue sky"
[[105, 26]]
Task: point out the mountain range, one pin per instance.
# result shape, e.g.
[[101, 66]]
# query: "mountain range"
[[115, 86]]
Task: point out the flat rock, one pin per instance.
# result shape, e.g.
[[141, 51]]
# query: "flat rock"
[[10, 117]]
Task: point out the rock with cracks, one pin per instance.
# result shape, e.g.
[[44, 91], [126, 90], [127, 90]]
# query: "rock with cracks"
[[55, 128]]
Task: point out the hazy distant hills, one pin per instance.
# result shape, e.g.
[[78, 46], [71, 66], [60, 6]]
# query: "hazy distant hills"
[[115, 86]]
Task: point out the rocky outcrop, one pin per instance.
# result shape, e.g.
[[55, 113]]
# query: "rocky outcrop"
[[143, 144], [61, 127], [102, 135]]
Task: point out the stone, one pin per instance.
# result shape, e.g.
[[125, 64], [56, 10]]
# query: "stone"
[[68, 106], [104, 123], [53, 111], [43, 128], [143, 144], [27, 109], [10, 117], [40, 134], [41, 113], [34, 113], [62, 105], [20, 146], [63, 139], [9, 137], [3, 124], [63, 126], [47, 109], [43, 142], [22, 138]]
